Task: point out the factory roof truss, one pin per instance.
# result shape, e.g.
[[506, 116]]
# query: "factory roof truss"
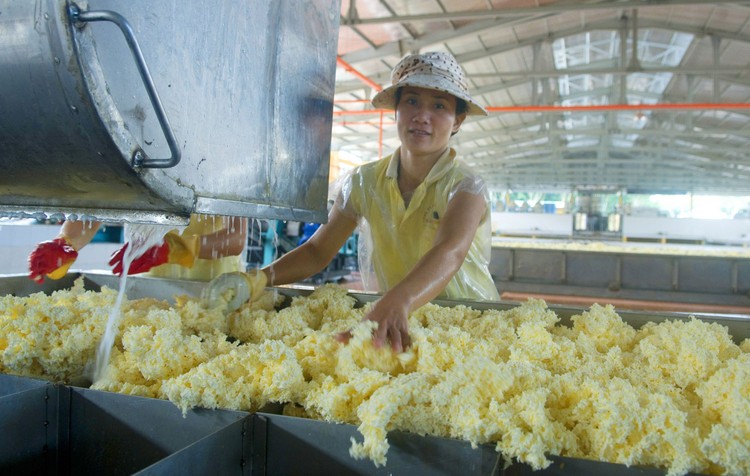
[[622, 95]]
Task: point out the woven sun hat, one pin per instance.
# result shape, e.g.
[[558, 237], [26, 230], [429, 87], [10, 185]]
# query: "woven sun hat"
[[435, 70]]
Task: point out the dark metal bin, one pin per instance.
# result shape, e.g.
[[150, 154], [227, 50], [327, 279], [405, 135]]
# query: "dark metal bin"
[[56, 429], [289, 445]]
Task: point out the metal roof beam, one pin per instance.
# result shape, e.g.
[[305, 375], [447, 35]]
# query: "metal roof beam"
[[559, 7]]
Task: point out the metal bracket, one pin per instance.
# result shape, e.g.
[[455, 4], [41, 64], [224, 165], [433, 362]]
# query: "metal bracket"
[[139, 159]]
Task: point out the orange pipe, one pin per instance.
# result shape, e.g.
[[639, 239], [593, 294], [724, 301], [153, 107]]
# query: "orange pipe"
[[356, 73], [363, 123], [350, 101], [380, 138], [632, 304], [619, 107], [363, 112], [601, 107], [340, 61]]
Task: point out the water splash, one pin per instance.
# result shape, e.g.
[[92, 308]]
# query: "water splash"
[[104, 351], [140, 237]]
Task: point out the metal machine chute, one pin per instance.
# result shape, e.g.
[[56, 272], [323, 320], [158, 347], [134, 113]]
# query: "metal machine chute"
[[227, 111]]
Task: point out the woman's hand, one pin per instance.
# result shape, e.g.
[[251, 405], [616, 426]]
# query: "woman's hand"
[[392, 317]]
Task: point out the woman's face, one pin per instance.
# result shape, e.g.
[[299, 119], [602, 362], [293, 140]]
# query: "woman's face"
[[425, 120]]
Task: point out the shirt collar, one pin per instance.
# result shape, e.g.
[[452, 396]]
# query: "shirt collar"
[[440, 168]]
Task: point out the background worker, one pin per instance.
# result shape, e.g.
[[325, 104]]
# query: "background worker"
[[426, 215], [207, 247]]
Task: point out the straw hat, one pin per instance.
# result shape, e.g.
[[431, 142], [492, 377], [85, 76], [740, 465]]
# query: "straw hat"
[[435, 70]]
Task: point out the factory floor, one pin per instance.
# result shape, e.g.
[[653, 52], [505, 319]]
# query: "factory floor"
[[352, 281]]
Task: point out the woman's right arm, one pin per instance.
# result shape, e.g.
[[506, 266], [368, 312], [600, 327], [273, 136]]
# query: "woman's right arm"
[[315, 254], [79, 233]]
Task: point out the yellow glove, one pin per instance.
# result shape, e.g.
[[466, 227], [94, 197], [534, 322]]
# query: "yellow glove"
[[174, 248], [182, 249], [256, 280], [235, 289]]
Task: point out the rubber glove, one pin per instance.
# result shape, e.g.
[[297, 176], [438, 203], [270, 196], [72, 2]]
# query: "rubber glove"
[[175, 249], [52, 258], [235, 289]]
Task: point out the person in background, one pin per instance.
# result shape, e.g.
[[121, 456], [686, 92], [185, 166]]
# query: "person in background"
[[427, 214], [207, 247]]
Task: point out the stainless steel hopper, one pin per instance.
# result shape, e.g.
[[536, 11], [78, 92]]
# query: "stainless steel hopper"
[[150, 111]]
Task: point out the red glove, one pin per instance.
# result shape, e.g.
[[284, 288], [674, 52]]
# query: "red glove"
[[175, 249], [52, 258], [154, 256]]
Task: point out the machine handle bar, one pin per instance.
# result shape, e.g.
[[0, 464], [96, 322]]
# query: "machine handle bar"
[[140, 159]]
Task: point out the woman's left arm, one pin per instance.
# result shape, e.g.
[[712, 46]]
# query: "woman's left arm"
[[229, 241]]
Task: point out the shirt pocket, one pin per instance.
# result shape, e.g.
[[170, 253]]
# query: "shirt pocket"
[[430, 224]]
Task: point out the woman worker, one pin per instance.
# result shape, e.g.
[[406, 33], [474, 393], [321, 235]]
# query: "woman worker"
[[207, 247], [427, 214]]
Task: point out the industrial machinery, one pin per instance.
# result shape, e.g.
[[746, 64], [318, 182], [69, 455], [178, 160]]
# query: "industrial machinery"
[[596, 214], [149, 111]]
